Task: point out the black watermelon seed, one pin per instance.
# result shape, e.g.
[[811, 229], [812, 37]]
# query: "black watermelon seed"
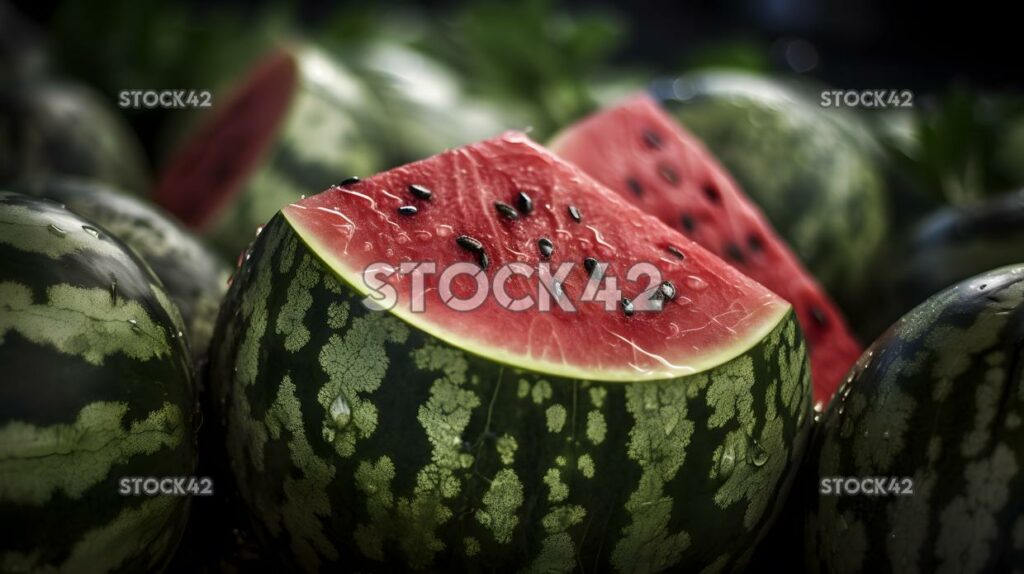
[[546, 247], [755, 243], [712, 194], [627, 307], [483, 260], [420, 192], [524, 203], [677, 253], [667, 290], [652, 139], [574, 213], [635, 187], [470, 243], [349, 181], [668, 174], [819, 317], [590, 264], [688, 222], [408, 210], [506, 210], [732, 251]]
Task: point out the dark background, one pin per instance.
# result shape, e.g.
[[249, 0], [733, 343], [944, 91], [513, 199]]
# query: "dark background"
[[859, 43]]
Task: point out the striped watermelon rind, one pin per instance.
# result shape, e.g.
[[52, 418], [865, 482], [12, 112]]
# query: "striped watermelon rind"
[[97, 386], [359, 440], [192, 275], [938, 399]]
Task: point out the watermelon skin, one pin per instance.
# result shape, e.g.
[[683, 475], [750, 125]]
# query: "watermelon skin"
[[813, 171], [95, 388], [938, 399], [427, 109], [946, 247], [192, 275], [57, 127], [442, 460], [320, 137], [636, 150]]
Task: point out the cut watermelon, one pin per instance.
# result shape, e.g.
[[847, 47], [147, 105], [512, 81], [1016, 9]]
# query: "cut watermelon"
[[494, 439], [637, 150], [719, 313], [297, 119]]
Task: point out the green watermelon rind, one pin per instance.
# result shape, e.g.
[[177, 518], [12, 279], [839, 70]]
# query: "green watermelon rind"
[[193, 276], [97, 387], [360, 440], [937, 400]]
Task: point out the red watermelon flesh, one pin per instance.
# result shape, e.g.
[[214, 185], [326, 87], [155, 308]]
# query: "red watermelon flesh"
[[205, 176], [641, 153], [717, 313]]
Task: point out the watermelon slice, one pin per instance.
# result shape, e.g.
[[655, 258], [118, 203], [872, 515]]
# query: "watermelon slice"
[[717, 314], [494, 438], [637, 150]]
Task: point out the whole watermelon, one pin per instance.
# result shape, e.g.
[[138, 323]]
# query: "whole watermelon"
[[50, 126], [489, 439], [193, 276], [97, 387], [935, 409], [812, 171], [946, 247]]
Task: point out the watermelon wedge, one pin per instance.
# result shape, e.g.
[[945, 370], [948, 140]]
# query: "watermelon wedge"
[[637, 150], [493, 437]]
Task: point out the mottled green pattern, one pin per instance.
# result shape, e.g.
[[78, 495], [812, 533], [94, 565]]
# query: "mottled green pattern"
[[97, 385], [939, 399], [416, 454]]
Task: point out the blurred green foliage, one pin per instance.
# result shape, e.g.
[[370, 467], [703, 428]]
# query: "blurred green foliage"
[[959, 146]]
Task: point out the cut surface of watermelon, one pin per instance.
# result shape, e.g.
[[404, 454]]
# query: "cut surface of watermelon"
[[641, 153], [715, 314], [205, 175]]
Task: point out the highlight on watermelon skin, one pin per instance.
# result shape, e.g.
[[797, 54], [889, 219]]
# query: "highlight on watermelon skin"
[[640, 152]]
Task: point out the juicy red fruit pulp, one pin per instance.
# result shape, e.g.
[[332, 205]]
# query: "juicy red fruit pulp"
[[507, 200], [203, 177], [641, 153]]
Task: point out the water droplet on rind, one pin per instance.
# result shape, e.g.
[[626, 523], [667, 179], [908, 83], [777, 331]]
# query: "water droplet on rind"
[[758, 455], [91, 231], [340, 412], [57, 231]]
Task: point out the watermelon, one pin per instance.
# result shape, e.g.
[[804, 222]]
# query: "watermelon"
[[427, 107], [97, 387], [50, 126], [297, 121], [194, 278], [935, 407], [492, 438], [945, 248], [815, 172], [638, 151]]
